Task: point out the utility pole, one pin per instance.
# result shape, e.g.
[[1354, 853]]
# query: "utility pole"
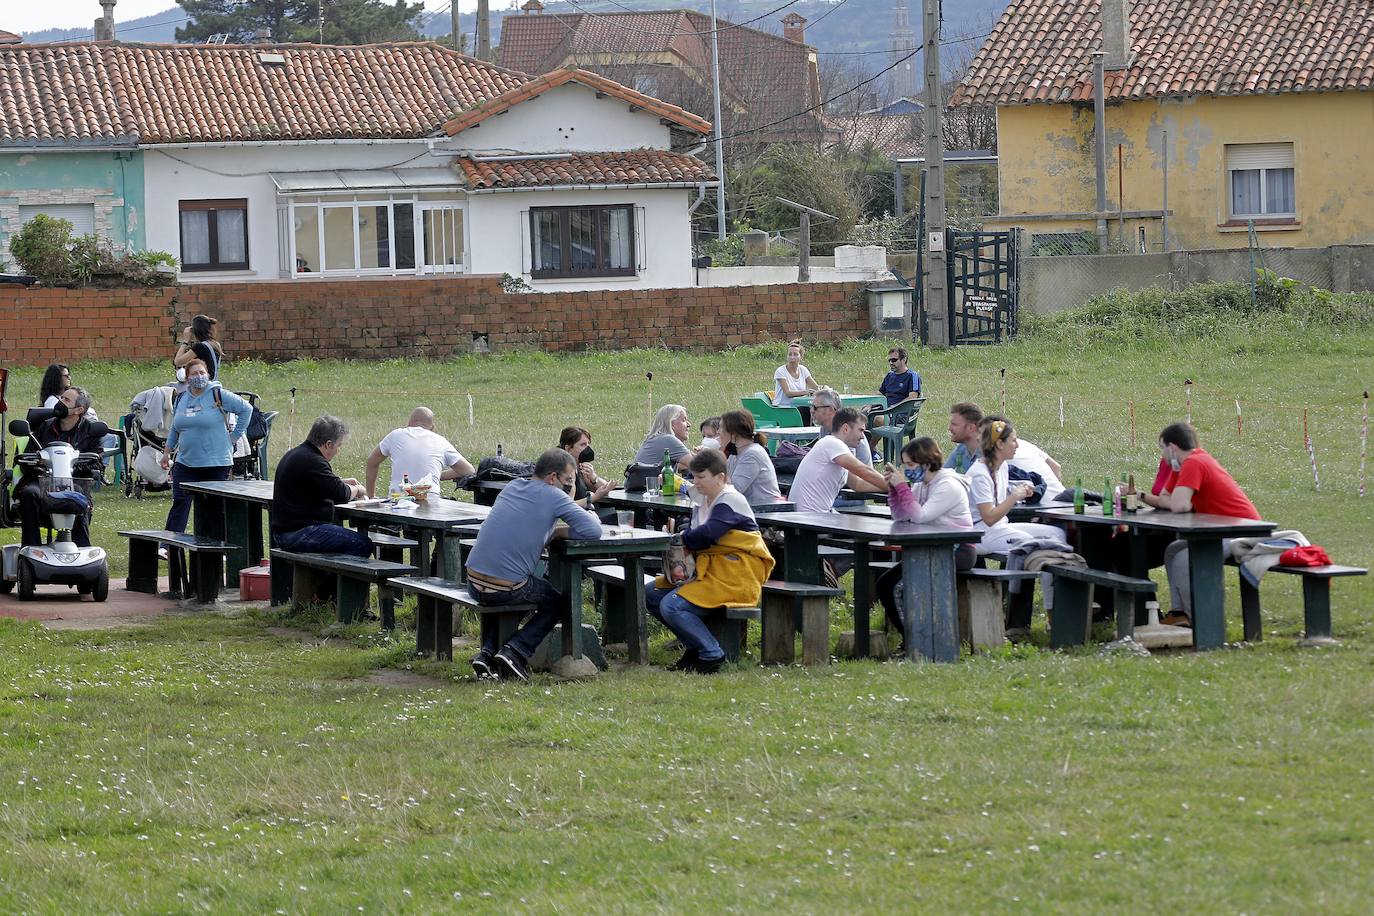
[[483, 28], [937, 293], [1100, 147], [457, 36], [720, 128]]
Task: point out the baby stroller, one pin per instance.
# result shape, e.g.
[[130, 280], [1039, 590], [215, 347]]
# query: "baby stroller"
[[250, 452], [146, 427]]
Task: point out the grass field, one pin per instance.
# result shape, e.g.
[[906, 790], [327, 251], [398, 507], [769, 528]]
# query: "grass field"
[[216, 762]]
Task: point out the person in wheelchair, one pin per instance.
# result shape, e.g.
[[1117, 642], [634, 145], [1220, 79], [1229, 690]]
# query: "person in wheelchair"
[[68, 423]]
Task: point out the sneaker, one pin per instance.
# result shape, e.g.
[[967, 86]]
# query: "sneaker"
[[708, 667], [1018, 635], [482, 665], [162, 553], [511, 666], [1176, 619], [686, 663]]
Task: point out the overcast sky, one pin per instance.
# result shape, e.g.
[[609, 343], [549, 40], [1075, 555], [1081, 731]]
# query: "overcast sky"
[[16, 16]]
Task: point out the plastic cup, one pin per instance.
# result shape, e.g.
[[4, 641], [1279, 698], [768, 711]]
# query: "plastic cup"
[[625, 518]]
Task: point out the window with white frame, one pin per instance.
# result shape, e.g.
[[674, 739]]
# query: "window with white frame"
[[1260, 179], [338, 235]]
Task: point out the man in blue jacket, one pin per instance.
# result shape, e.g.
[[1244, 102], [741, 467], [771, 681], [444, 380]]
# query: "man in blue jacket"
[[501, 567]]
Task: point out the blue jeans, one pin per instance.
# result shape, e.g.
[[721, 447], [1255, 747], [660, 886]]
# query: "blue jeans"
[[209, 511], [684, 619], [326, 539], [547, 600]]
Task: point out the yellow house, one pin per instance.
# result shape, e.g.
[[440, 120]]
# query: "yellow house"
[[1217, 114]]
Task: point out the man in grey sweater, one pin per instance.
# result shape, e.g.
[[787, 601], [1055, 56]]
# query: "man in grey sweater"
[[501, 567]]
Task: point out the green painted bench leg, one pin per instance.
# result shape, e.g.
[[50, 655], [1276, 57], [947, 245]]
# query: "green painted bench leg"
[[503, 625], [1072, 613], [424, 624], [1209, 593], [729, 633], [863, 598], [612, 613], [209, 572], [283, 579], [1125, 613], [443, 631], [779, 631], [1316, 607], [815, 630], [1250, 609], [350, 597], [142, 567], [386, 596], [305, 585]]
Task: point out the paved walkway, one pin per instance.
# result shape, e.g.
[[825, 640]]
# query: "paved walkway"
[[60, 607]]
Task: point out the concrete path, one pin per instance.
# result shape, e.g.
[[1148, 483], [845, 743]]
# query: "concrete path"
[[60, 607]]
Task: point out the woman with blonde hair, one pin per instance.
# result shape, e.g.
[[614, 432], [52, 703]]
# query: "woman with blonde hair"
[[792, 379], [668, 433]]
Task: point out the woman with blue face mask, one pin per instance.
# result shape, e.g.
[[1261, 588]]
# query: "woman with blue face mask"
[[201, 447], [926, 492]]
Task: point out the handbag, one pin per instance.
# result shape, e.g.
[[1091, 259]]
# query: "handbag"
[[637, 476], [148, 464], [679, 566]]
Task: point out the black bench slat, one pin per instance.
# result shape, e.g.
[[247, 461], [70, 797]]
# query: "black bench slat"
[[1004, 575], [743, 613], [614, 575], [1321, 572], [382, 539], [184, 541], [346, 564], [451, 592], [799, 589], [832, 552], [1111, 580], [434, 613]]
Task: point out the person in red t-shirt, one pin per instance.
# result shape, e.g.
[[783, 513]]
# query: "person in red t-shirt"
[[1197, 483]]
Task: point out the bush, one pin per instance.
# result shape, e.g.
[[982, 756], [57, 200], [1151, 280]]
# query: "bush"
[[46, 249], [726, 252]]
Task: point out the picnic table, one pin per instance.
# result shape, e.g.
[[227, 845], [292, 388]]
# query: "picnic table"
[[929, 605], [625, 546], [244, 501], [433, 518], [798, 434], [644, 501], [1206, 560], [853, 401]]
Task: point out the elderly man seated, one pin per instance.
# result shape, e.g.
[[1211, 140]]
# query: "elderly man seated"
[[70, 424], [306, 491], [416, 451]]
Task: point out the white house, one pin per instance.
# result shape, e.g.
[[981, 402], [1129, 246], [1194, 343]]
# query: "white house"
[[309, 162]]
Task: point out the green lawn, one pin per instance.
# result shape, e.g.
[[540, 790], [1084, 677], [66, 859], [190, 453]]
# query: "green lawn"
[[214, 763]]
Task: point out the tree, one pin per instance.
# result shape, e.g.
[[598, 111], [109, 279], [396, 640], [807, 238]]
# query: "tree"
[[346, 22]]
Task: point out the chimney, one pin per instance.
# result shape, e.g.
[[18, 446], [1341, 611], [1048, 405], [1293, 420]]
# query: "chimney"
[[794, 28], [105, 25], [262, 36], [532, 7], [1116, 34]]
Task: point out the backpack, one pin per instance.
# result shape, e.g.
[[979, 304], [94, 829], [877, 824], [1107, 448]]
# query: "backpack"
[[499, 467]]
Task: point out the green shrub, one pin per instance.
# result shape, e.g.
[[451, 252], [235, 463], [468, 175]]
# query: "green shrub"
[[726, 252], [46, 249], [43, 249]]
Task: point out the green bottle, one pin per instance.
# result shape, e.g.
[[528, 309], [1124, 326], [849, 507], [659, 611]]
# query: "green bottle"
[[1107, 496], [1078, 497], [669, 488]]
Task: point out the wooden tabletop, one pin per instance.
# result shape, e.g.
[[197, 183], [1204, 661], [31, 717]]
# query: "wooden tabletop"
[[253, 491], [870, 528], [846, 400], [434, 512], [791, 432], [614, 539], [1184, 523], [675, 505]]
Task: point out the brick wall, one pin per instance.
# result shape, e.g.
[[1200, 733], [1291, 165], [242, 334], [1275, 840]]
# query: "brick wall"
[[414, 317]]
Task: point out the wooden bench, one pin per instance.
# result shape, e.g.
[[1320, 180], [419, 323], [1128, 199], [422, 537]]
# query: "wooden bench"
[[727, 625], [1316, 600], [437, 600], [982, 595], [1073, 589], [207, 561], [353, 576], [784, 603], [611, 580]]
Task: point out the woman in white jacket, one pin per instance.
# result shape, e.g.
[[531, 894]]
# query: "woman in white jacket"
[[926, 492]]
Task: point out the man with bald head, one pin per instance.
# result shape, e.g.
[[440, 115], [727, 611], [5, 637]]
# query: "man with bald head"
[[418, 451]]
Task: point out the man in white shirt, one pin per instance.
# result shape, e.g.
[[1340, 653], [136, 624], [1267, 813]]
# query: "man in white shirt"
[[417, 451], [831, 465], [1032, 458]]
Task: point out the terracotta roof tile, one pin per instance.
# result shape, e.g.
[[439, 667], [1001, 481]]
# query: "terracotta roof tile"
[[200, 93], [9, 38], [1041, 50], [542, 84], [645, 166], [892, 135]]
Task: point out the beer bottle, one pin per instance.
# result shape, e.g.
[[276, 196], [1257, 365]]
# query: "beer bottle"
[[1078, 497], [1132, 501], [669, 488], [1106, 496]]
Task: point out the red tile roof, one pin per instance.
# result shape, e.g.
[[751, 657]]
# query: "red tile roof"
[[764, 77], [9, 38], [638, 167], [199, 93], [1041, 50], [542, 84], [891, 135]]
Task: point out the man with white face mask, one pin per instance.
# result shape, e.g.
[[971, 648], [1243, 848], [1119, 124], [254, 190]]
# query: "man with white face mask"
[[202, 445]]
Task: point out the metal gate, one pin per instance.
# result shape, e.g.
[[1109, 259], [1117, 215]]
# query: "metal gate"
[[983, 283]]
